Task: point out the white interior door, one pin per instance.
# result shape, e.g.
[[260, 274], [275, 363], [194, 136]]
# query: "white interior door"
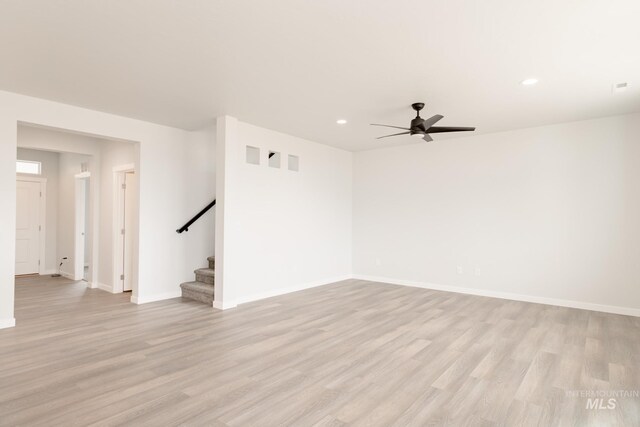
[[27, 227], [130, 210]]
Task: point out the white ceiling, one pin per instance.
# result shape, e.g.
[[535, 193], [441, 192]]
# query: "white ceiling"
[[298, 65]]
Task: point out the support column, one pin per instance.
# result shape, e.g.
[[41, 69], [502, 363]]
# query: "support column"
[[8, 152], [226, 157]]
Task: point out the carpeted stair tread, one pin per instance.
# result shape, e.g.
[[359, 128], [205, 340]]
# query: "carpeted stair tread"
[[206, 272], [198, 291], [195, 286]]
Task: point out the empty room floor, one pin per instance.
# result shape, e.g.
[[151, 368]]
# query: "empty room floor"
[[349, 353]]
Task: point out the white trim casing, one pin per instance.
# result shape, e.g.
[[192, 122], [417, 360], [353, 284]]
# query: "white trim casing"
[[153, 298], [628, 311], [125, 168], [107, 288], [32, 178], [67, 275], [225, 305], [276, 292], [255, 297]]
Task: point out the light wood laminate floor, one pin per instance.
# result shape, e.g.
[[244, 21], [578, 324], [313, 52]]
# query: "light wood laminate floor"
[[350, 353]]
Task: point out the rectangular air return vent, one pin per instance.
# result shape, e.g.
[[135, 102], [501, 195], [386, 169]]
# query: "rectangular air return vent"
[[620, 87]]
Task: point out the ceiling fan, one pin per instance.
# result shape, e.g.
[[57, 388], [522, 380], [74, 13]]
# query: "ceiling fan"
[[422, 128]]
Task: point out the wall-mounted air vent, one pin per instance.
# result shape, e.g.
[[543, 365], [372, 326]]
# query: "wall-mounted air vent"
[[620, 87]]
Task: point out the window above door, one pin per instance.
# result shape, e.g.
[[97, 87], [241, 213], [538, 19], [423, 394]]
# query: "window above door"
[[29, 167]]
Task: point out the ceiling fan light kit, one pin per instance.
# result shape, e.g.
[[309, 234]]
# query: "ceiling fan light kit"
[[421, 128]]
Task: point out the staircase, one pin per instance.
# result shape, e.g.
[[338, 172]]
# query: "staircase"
[[202, 289]]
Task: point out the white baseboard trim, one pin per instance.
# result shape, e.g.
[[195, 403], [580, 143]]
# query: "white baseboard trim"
[[224, 305], [104, 287], [628, 311], [48, 272], [7, 323], [152, 298], [290, 289], [67, 275]]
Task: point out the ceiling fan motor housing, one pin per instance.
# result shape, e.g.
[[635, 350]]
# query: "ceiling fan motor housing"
[[415, 125]]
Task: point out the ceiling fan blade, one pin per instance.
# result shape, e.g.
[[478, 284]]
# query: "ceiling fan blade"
[[389, 126], [431, 121], [395, 134], [427, 138], [440, 129]]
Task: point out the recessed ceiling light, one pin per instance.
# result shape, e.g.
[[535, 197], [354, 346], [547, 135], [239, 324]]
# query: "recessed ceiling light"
[[529, 82], [341, 121]]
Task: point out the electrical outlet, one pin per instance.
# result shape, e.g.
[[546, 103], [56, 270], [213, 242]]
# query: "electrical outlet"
[[477, 271], [378, 262], [460, 270]]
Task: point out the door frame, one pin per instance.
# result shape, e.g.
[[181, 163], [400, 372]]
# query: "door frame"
[[118, 225], [42, 218], [78, 273]]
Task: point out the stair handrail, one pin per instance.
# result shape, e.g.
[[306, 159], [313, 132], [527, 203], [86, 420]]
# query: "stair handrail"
[[196, 217]]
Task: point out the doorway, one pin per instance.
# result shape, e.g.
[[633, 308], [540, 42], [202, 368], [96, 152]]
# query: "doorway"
[[29, 225], [125, 229], [82, 246]]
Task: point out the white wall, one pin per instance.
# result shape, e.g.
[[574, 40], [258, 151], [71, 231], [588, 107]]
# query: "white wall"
[[49, 161], [200, 191], [163, 176], [548, 214], [284, 230]]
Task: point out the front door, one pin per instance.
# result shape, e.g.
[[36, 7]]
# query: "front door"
[[27, 227]]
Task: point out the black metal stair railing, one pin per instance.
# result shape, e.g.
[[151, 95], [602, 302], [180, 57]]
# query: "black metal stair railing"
[[196, 217]]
